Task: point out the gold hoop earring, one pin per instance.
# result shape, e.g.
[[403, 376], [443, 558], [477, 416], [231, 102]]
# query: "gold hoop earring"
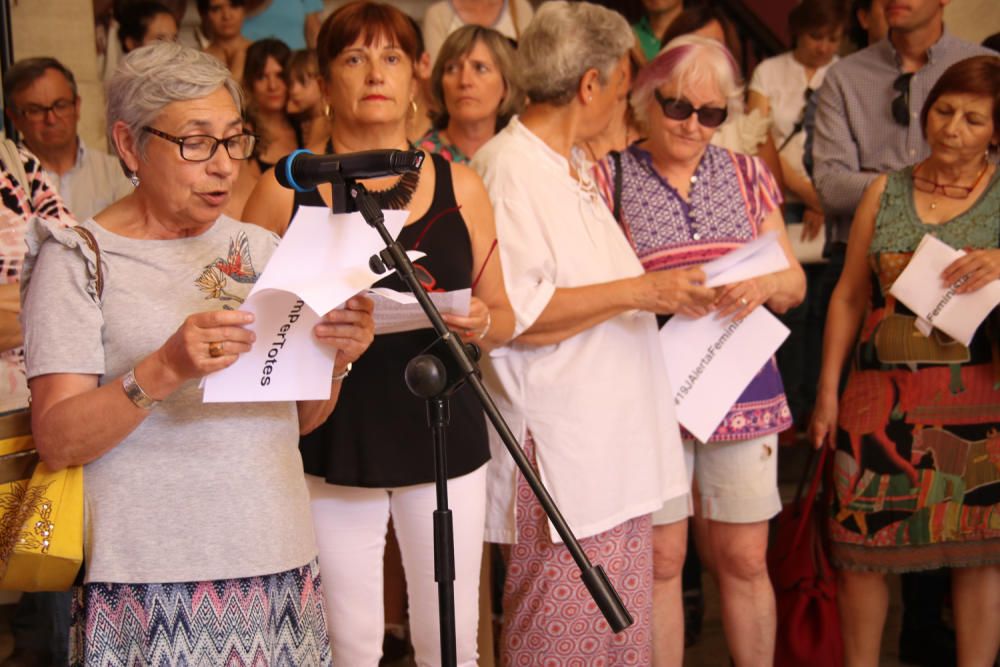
[[414, 109], [327, 112]]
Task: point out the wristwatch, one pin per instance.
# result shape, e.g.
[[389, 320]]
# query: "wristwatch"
[[135, 393]]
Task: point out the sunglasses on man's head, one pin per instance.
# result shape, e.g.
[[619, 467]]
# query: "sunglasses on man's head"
[[901, 103], [680, 109]]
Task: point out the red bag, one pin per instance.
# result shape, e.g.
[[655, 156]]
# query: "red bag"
[[805, 584]]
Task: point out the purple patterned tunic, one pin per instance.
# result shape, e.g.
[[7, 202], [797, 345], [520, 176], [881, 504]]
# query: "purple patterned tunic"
[[730, 196]]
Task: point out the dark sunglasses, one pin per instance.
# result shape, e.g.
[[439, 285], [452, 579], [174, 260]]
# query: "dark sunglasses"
[[678, 109], [901, 103]]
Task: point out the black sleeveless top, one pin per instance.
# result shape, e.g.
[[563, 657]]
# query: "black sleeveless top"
[[378, 434]]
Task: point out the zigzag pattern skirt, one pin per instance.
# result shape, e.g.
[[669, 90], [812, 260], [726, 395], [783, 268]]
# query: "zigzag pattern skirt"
[[261, 621]]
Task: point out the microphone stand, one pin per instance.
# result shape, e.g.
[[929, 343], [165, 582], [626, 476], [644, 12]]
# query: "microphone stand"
[[394, 256]]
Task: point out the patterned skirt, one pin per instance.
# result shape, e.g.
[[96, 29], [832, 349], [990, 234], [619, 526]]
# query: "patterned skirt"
[[264, 621], [550, 620], [917, 470]]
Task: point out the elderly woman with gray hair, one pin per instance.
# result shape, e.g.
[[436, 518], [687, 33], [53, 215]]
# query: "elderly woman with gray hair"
[[585, 367], [199, 547], [683, 202]]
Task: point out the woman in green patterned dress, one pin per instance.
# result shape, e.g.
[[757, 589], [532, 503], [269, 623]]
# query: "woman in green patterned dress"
[[915, 433]]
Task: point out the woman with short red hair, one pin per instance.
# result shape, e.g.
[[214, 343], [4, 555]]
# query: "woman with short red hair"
[[917, 481], [375, 461]]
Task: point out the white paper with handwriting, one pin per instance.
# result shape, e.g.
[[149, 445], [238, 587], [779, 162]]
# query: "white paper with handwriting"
[[321, 262]]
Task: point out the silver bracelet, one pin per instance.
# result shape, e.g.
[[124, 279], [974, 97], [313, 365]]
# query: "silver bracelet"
[[337, 377], [486, 329], [135, 393]]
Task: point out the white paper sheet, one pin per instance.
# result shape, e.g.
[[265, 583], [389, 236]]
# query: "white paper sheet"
[[399, 311], [807, 252], [919, 287], [761, 256], [321, 262], [710, 361]]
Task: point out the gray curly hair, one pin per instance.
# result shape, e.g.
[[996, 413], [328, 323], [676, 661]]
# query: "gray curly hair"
[[562, 42], [151, 77]]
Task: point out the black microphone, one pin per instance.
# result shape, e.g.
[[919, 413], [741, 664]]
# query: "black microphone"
[[303, 170]]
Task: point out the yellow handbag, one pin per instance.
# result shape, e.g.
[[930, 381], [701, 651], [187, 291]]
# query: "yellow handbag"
[[41, 514]]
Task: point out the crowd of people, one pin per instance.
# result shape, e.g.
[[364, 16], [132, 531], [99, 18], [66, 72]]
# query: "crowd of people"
[[580, 171]]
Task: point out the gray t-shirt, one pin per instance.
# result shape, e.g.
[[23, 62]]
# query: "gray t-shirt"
[[198, 491]]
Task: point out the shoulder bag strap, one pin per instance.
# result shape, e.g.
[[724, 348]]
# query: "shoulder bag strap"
[[616, 157], [88, 238], [814, 486]]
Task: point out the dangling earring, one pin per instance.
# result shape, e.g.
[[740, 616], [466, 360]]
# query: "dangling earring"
[[327, 112], [414, 110], [134, 179]]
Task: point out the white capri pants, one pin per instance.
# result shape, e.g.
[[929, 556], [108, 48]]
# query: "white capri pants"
[[351, 524]]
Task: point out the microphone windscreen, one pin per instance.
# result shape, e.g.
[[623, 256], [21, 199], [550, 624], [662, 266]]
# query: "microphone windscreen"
[[281, 172]]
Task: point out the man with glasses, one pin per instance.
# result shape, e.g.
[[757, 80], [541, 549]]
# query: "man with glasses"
[[42, 102], [867, 123]]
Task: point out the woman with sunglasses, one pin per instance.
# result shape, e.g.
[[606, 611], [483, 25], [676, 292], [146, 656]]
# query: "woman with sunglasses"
[[684, 202], [915, 429], [373, 460]]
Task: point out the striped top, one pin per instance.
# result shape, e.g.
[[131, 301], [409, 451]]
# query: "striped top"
[[731, 195]]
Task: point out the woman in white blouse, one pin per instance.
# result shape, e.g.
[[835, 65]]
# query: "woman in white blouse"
[[583, 382], [508, 17], [781, 86]]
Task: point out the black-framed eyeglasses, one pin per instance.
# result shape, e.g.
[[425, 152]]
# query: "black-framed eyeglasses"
[[901, 103], [201, 147], [680, 109], [35, 112]]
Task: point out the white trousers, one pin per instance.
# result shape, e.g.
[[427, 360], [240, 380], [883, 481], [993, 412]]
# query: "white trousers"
[[351, 525]]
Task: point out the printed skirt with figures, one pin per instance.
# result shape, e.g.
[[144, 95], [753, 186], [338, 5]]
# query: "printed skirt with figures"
[[261, 621], [917, 467]]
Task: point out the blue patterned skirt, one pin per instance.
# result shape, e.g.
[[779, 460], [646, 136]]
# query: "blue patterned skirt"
[[275, 619]]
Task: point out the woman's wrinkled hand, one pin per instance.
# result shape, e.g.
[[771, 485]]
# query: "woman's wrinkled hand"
[[823, 425], [675, 291], [976, 269], [207, 342], [473, 326], [737, 300], [350, 330]]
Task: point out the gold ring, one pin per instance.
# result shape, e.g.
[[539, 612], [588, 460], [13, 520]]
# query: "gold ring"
[[215, 349], [743, 301]]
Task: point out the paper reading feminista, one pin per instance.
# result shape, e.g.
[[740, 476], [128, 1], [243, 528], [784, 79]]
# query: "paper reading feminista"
[[399, 311], [710, 360], [920, 288], [321, 262]]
